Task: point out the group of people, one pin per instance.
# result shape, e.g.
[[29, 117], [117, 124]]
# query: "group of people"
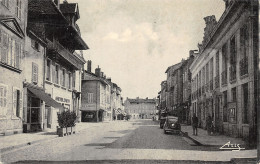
[[195, 122]]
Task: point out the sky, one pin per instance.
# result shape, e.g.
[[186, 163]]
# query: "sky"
[[135, 41]]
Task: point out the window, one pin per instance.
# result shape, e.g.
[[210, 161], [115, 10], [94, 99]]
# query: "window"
[[35, 73], [70, 78], [18, 9], [48, 70], [90, 97], [244, 34], [225, 116], [3, 99], [74, 79], [11, 50], [35, 45], [4, 56], [234, 94], [245, 103], [17, 101], [63, 77], [57, 74], [5, 3]]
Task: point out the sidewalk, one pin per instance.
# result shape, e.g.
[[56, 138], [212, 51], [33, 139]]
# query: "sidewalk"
[[211, 140], [15, 141]]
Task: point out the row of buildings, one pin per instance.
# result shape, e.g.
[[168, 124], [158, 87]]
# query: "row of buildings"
[[101, 98], [42, 65], [141, 108], [220, 78], [40, 68]]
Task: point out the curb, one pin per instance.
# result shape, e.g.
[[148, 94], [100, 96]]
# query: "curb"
[[185, 134], [25, 144]]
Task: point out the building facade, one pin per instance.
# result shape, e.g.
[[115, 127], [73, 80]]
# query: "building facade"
[[96, 96], [140, 108], [224, 73], [13, 22], [63, 65]]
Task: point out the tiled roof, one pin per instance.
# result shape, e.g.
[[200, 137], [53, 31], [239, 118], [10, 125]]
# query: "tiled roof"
[[175, 66], [41, 7], [141, 100], [37, 29], [68, 7]]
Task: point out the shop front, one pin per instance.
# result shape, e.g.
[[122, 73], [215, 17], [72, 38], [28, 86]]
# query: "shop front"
[[38, 109]]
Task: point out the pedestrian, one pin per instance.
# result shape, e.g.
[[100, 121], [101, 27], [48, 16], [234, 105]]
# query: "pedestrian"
[[195, 124], [209, 125]]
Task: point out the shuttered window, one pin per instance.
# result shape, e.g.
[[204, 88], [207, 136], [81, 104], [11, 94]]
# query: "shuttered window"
[[35, 73], [3, 99], [18, 9]]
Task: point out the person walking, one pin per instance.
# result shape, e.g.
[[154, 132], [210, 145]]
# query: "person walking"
[[195, 124]]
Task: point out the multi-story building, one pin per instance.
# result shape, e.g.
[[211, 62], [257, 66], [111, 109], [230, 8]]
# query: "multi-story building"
[[140, 108], [96, 96], [186, 87], [63, 66], [174, 88], [13, 22], [224, 77], [116, 101]]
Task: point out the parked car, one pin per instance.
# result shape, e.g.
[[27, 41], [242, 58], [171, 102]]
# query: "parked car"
[[162, 119], [172, 125]]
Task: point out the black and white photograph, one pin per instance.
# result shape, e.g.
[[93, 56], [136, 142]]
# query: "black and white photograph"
[[129, 81]]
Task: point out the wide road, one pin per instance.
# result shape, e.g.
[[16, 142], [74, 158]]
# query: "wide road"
[[138, 141]]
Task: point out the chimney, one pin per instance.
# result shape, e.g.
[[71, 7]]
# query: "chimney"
[[102, 74], [109, 79], [146, 98], [89, 65], [97, 71]]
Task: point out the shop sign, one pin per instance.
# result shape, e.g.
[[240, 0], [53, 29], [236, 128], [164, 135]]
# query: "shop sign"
[[60, 99]]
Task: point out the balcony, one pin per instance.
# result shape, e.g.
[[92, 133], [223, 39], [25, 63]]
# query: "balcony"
[[224, 77], [243, 66], [217, 81], [232, 73], [56, 47]]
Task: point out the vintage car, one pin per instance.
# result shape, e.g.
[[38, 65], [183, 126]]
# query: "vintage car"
[[162, 119], [172, 125]]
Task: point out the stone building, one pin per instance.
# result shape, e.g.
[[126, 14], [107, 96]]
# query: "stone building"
[[224, 77], [140, 108], [96, 96], [174, 97], [186, 87], [13, 22], [63, 66]]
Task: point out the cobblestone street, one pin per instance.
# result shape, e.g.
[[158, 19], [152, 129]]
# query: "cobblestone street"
[[138, 141]]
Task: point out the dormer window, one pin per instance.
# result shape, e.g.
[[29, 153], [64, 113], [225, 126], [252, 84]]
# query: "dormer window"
[[35, 45]]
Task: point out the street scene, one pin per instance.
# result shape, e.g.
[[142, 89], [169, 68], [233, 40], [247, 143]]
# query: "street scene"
[[140, 141], [129, 81]]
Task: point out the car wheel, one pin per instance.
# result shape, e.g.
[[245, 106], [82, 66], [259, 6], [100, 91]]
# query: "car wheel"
[[161, 126], [165, 132]]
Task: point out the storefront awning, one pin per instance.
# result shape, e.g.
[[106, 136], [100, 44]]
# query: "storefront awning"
[[46, 98]]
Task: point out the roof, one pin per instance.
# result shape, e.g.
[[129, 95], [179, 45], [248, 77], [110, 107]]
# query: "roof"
[[68, 7], [142, 100], [175, 66]]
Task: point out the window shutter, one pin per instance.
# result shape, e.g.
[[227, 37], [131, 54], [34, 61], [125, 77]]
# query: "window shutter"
[[34, 73], [20, 105], [14, 101], [53, 72], [61, 77]]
